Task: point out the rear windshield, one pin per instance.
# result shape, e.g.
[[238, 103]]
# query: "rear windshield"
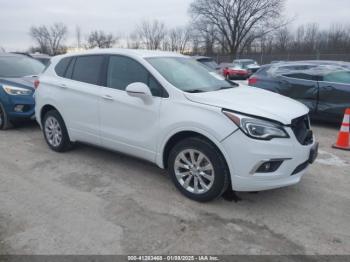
[[18, 66]]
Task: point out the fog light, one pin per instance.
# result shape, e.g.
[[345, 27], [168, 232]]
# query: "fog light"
[[269, 167], [19, 108]]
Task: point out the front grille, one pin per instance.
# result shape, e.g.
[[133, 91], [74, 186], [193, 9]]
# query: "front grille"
[[302, 130]]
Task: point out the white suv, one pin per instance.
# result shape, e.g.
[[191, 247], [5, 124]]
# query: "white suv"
[[168, 109]]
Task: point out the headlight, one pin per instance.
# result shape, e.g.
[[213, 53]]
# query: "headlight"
[[16, 91], [257, 128]]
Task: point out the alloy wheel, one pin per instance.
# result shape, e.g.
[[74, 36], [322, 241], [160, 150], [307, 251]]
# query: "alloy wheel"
[[53, 131], [194, 171]]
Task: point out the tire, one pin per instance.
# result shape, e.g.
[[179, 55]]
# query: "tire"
[[208, 168], [55, 132], [5, 123]]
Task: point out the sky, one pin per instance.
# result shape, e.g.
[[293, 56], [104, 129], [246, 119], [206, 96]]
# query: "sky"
[[121, 16]]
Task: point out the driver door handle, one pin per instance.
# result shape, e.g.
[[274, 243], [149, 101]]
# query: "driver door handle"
[[108, 97]]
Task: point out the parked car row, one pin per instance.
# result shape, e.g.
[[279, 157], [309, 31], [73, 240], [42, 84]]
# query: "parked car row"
[[239, 69]]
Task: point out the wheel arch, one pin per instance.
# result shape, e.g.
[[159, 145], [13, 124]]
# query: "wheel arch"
[[176, 137], [46, 108]]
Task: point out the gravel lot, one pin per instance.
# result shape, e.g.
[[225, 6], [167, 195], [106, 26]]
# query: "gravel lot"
[[92, 201]]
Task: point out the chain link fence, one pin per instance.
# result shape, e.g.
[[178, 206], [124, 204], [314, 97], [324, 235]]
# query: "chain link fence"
[[268, 58]]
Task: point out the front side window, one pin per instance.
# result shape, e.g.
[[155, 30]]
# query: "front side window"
[[188, 75], [87, 69], [19, 66], [123, 71], [341, 77]]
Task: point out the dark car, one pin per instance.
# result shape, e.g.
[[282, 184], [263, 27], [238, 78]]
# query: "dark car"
[[323, 86], [44, 59], [17, 77], [208, 62]]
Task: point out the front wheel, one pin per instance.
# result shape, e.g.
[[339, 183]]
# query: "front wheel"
[[198, 169], [55, 132], [5, 123]]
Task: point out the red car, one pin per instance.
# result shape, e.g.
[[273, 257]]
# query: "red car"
[[233, 71]]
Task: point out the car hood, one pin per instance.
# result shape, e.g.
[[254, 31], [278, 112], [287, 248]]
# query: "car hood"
[[253, 101], [24, 82]]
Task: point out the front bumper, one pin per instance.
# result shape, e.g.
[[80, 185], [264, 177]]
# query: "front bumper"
[[28, 103], [243, 154]]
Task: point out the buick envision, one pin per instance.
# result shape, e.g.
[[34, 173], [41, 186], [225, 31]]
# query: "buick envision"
[[168, 109]]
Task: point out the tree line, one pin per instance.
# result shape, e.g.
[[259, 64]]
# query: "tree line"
[[232, 27]]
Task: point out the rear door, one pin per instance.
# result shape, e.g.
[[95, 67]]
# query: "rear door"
[[334, 95], [81, 91], [300, 86]]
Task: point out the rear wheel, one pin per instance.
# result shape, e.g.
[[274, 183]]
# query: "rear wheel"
[[55, 132], [5, 123], [198, 169]]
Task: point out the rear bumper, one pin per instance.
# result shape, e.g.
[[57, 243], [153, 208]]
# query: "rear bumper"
[[244, 154]]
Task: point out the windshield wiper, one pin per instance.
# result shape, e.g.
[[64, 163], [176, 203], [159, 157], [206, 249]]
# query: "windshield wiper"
[[193, 91]]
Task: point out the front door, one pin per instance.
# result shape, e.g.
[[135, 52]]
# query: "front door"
[[129, 124]]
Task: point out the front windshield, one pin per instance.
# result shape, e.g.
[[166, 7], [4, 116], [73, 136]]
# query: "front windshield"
[[245, 64], [188, 75], [19, 66]]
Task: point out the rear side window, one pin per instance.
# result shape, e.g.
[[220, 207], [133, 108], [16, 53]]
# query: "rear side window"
[[87, 69], [123, 71], [342, 77], [301, 76], [61, 67]]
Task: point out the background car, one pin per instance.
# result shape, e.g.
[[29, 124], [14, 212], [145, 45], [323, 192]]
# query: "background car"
[[234, 71], [248, 64], [17, 77], [43, 58], [208, 62], [323, 86]]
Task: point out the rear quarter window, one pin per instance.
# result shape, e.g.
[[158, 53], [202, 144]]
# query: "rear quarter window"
[[61, 67]]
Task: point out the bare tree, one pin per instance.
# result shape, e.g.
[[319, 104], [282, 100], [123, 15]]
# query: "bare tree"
[[133, 41], [151, 34], [101, 39], [239, 22], [179, 38], [283, 39], [50, 39]]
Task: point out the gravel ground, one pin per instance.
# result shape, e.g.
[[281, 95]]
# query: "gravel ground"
[[92, 201]]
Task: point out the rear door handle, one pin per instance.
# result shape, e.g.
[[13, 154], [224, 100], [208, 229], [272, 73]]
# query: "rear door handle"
[[63, 86], [108, 97]]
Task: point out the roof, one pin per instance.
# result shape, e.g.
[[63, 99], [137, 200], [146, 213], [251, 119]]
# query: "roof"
[[131, 52], [11, 55]]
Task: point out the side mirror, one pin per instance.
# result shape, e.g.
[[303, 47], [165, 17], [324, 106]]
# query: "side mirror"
[[138, 89]]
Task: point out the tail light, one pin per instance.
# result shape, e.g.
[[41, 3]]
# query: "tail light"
[[36, 83], [252, 81]]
